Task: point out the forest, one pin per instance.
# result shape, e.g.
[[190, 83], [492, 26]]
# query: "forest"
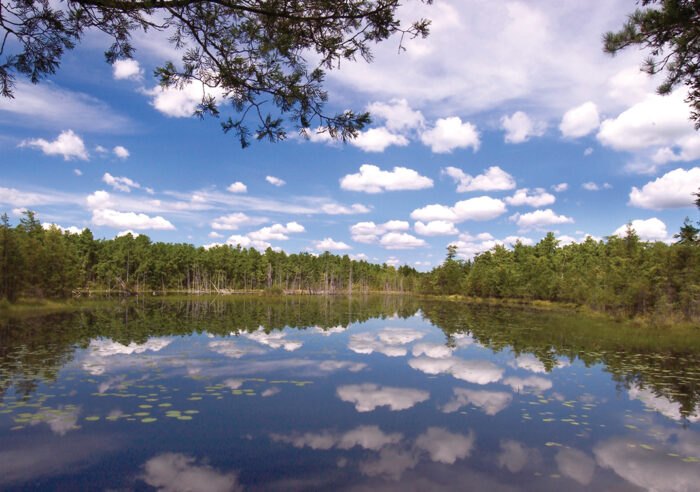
[[621, 276]]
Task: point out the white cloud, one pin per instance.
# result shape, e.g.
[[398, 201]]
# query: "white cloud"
[[540, 219], [493, 179], [232, 222], [377, 140], [469, 246], [538, 198], [658, 124], [229, 348], [648, 230], [274, 339], [489, 402], [121, 152], [243, 242], [449, 134], [576, 465], [580, 121], [479, 208], [67, 144], [560, 187], [588, 151], [661, 404], [338, 209], [120, 183], [436, 228], [592, 186], [77, 172], [433, 350], [275, 181], [127, 69], [389, 341], [397, 115], [237, 187], [328, 244], [181, 102], [369, 232], [535, 383], [120, 220], [127, 232], [46, 106], [444, 446], [371, 179], [400, 240], [175, 472], [70, 229], [276, 232], [365, 436], [519, 128], [473, 371], [367, 397], [672, 190]]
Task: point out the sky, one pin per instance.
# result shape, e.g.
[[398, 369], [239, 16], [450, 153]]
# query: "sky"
[[507, 122]]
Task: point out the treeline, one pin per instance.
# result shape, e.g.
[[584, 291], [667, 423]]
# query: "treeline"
[[50, 263], [620, 275]]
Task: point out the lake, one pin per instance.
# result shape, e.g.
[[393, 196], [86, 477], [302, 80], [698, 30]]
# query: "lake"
[[365, 393]]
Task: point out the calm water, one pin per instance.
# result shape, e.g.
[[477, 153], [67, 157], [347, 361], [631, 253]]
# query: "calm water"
[[362, 394]]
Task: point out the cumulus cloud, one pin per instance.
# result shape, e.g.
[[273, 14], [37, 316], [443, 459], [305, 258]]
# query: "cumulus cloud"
[[120, 183], [469, 246], [232, 222], [560, 187], [648, 230], [181, 102], [662, 404], [658, 125], [576, 465], [274, 339], [69, 229], [435, 228], [580, 121], [127, 70], [479, 209], [592, 186], [369, 232], [540, 219], [276, 232], [537, 198], [365, 436], [444, 446], [493, 179], [473, 371], [229, 348], [674, 189], [389, 341], [378, 139], [367, 397], [531, 383], [433, 350], [397, 115], [329, 244], [67, 144], [400, 240], [449, 134], [121, 152], [372, 179], [519, 128], [274, 181], [237, 187], [175, 472], [120, 220], [489, 402]]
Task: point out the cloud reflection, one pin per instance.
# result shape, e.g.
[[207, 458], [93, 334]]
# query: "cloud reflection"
[[175, 472], [367, 397]]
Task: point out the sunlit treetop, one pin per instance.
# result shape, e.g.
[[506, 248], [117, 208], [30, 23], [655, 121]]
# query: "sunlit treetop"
[[253, 54]]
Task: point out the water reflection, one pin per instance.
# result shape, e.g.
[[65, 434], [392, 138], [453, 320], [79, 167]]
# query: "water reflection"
[[373, 394]]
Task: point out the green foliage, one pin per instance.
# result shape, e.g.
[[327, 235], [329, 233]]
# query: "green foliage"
[[621, 276], [669, 29], [252, 52], [48, 263]]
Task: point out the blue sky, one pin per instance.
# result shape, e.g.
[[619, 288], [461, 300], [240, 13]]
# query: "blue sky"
[[507, 122]]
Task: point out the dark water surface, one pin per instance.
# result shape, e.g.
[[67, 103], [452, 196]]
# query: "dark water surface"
[[320, 393]]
